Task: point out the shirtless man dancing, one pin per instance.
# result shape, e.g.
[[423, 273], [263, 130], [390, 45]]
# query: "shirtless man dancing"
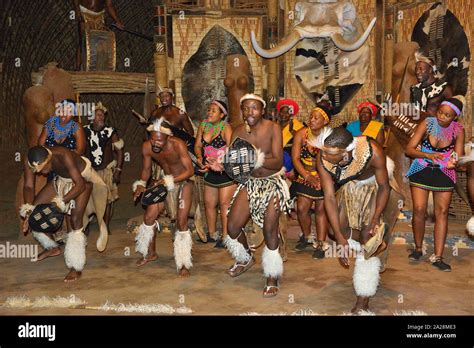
[[263, 197], [171, 154], [357, 167], [74, 182]]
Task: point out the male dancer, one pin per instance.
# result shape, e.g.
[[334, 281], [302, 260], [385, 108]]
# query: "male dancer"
[[263, 197], [75, 182], [171, 154], [358, 169]]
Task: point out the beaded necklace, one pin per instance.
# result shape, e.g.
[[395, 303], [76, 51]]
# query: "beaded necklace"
[[215, 129], [442, 133], [62, 132]]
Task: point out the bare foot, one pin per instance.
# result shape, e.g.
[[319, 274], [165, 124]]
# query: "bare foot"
[[143, 261], [72, 276], [271, 289], [184, 273], [362, 303], [49, 253]]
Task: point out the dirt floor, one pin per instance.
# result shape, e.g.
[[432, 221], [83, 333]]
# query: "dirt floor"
[[308, 287]]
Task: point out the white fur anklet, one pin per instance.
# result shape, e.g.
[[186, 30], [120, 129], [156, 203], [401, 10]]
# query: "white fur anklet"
[[58, 200], [143, 239], [366, 276], [237, 250], [26, 209], [183, 244], [168, 180], [46, 242], [138, 183], [272, 263], [75, 250], [470, 226], [260, 158]]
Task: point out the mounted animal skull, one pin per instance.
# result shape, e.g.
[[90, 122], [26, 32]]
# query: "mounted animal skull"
[[331, 19]]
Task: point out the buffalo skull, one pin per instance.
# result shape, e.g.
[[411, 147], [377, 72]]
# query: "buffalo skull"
[[321, 19], [331, 58]]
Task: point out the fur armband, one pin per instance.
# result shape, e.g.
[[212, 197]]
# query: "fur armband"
[[60, 203], [26, 209], [168, 180], [138, 183]]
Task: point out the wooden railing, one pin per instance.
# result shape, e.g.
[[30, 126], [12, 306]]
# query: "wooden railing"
[[222, 5]]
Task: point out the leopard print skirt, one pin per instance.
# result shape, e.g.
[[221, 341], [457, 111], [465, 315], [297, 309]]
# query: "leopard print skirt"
[[260, 192]]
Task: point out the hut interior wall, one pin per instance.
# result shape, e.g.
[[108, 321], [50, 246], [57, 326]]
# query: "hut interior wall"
[[41, 31]]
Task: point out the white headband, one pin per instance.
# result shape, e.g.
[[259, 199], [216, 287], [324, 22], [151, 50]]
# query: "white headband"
[[157, 127], [250, 96]]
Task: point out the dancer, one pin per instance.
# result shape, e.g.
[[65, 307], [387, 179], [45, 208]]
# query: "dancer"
[[358, 168], [213, 137], [76, 182], [308, 185], [433, 169], [263, 197], [171, 154]]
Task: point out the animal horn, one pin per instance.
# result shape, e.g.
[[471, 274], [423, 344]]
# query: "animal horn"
[[347, 46], [284, 46]]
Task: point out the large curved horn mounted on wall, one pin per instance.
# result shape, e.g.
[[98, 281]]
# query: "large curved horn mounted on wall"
[[294, 37], [284, 46], [347, 46]]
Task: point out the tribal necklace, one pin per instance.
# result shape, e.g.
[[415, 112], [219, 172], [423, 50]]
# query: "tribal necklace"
[[442, 133], [215, 129], [62, 132]]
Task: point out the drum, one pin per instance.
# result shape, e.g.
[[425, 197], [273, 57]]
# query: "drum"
[[239, 162], [99, 50], [46, 218]]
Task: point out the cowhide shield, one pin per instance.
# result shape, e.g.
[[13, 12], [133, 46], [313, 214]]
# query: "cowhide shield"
[[205, 71], [45, 218], [240, 159], [442, 38], [153, 195]]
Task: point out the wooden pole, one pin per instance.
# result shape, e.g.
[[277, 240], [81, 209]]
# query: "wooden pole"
[[161, 51], [272, 64]]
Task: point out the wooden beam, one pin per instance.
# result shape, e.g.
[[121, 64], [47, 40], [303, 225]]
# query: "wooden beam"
[[108, 82]]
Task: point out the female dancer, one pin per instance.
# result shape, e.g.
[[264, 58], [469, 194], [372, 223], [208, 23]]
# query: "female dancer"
[[308, 186], [213, 137], [442, 141]]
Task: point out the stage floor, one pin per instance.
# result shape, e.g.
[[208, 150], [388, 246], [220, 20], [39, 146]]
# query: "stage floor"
[[308, 287], [320, 287]]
